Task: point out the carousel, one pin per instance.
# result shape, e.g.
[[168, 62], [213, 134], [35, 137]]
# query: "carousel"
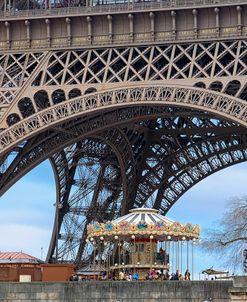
[[142, 241]]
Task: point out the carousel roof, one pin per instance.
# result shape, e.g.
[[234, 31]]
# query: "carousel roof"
[[140, 223], [148, 215]]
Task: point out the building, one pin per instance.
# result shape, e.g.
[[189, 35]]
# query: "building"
[[19, 266]]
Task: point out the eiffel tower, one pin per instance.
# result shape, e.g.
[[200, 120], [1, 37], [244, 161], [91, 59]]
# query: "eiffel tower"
[[133, 103]]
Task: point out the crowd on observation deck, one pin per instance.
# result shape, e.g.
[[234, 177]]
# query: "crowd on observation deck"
[[46, 4]]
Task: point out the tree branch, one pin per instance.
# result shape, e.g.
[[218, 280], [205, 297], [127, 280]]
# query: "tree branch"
[[225, 243]]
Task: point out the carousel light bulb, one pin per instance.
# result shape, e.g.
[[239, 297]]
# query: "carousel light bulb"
[[122, 263], [115, 264], [91, 239], [151, 237], [138, 263], [101, 238], [183, 238], [169, 237], [133, 237], [155, 263], [116, 237], [194, 239]]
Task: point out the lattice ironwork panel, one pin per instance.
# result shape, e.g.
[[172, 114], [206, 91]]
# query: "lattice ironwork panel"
[[178, 61], [15, 70], [63, 75]]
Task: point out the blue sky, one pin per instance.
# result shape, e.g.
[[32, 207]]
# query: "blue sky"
[[27, 211]]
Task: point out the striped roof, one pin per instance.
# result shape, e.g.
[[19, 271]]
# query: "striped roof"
[[18, 257], [150, 216], [90, 269]]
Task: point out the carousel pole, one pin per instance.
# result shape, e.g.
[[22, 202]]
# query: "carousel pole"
[[100, 251], [123, 256], [151, 252], [113, 261], [106, 259], [187, 254], [180, 256], [98, 255], [119, 256], [133, 253], [94, 254], [176, 254], [169, 251], [109, 260], [108, 267], [165, 253], [173, 256], [113, 255], [193, 243]]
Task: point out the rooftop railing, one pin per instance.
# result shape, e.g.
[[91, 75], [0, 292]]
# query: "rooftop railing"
[[111, 7]]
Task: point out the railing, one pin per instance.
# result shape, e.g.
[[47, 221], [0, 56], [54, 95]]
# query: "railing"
[[111, 8], [103, 40]]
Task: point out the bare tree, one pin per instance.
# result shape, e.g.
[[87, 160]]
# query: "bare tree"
[[226, 240]]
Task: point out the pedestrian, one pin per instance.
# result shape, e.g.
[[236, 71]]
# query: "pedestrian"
[[187, 275], [152, 274], [136, 276], [121, 276], [176, 277]]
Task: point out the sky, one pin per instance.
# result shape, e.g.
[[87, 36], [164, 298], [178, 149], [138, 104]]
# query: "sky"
[[27, 210]]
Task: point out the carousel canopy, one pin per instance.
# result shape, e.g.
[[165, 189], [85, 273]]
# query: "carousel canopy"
[[147, 215], [142, 223]]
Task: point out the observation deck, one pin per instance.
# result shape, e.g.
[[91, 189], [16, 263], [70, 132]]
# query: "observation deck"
[[62, 24], [9, 11]]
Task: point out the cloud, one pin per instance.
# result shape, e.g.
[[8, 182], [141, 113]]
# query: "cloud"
[[27, 191], [27, 212], [21, 237], [29, 201], [206, 201]]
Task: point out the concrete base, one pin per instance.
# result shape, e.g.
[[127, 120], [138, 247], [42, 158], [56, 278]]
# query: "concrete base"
[[239, 290], [169, 291]]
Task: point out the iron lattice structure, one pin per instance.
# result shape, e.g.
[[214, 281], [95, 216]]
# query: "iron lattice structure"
[[123, 126]]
